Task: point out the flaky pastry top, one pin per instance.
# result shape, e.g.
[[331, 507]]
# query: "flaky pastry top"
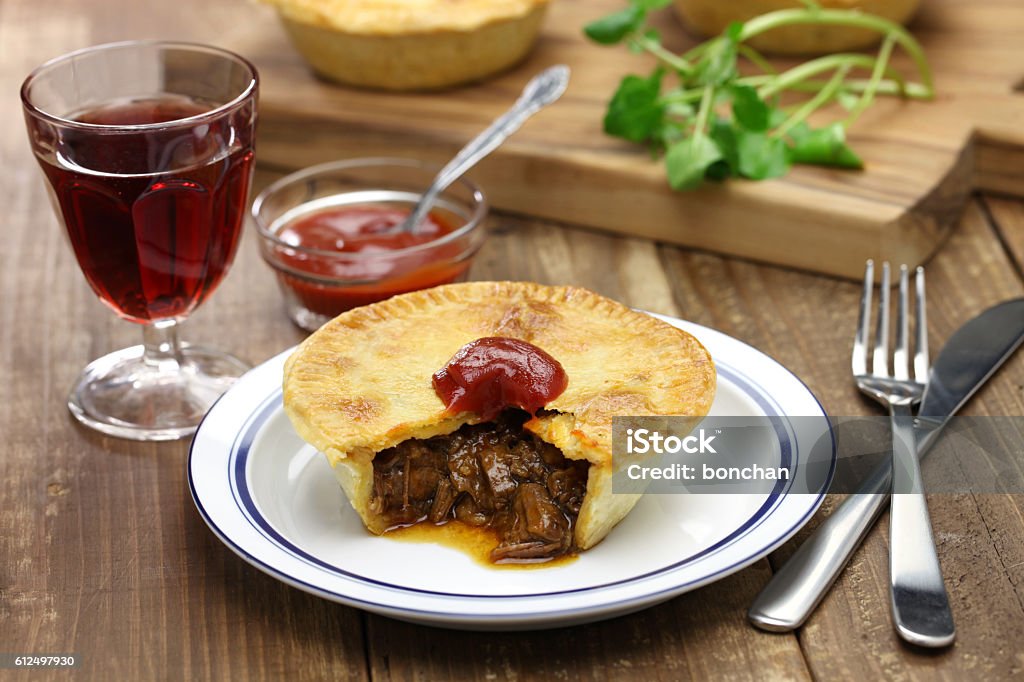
[[403, 17], [362, 383]]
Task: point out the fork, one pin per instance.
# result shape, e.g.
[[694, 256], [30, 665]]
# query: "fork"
[[920, 606]]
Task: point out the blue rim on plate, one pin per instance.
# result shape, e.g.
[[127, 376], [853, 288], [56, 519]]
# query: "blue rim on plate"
[[240, 451]]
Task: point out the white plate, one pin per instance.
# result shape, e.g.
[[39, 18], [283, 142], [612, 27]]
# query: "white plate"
[[274, 501]]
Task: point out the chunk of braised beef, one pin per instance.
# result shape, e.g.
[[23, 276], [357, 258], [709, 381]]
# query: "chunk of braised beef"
[[467, 511], [388, 459], [502, 519], [525, 550], [568, 486], [527, 464], [539, 529], [496, 463], [406, 515], [391, 495], [551, 455], [444, 500], [423, 481], [406, 479], [383, 490], [468, 477], [537, 517], [389, 483]]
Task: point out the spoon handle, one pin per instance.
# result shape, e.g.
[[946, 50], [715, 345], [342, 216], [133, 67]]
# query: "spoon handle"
[[542, 90]]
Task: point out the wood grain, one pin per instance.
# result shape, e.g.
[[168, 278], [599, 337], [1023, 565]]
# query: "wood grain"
[[1008, 219], [697, 636], [103, 554], [922, 158]]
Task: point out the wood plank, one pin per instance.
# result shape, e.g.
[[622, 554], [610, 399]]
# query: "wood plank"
[[922, 159], [698, 636], [1008, 218], [807, 323]]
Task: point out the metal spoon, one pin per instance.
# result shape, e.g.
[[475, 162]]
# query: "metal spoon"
[[545, 88]]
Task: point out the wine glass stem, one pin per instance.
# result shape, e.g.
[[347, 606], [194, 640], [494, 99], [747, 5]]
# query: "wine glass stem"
[[161, 348]]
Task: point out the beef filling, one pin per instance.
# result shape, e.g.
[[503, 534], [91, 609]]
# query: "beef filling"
[[493, 474]]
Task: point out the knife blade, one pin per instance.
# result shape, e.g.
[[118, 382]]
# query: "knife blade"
[[972, 355]]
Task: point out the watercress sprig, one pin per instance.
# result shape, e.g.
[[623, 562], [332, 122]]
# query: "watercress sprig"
[[716, 121]]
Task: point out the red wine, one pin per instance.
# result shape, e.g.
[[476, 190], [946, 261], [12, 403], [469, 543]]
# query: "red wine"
[[153, 214]]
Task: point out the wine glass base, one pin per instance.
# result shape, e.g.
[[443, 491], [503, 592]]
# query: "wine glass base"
[[121, 395]]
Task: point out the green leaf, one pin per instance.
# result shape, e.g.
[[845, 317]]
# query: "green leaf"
[[749, 109], [717, 65], [675, 125], [824, 147], [653, 35], [718, 171], [635, 111], [760, 156], [671, 132], [614, 27], [682, 110], [688, 161], [776, 117], [734, 132], [724, 135]]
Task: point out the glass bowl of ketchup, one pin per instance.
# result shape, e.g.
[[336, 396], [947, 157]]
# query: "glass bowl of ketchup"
[[330, 232]]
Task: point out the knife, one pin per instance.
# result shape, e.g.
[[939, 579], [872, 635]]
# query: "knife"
[[969, 358]]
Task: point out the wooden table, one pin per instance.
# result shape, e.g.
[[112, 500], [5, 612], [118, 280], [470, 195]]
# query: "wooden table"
[[102, 552]]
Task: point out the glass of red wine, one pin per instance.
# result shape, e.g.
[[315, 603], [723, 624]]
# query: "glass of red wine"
[[147, 147]]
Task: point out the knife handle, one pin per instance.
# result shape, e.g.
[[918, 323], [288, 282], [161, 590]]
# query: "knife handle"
[[800, 585]]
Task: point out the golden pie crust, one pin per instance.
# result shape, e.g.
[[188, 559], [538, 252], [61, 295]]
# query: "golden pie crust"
[[411, 44], [711, 17], [362, 383]]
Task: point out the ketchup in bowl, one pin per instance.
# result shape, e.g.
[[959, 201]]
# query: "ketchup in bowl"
[[361, 228], [335, 252], [385, 261]]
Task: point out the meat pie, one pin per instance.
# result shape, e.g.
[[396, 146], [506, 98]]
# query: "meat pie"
[[490, 404]]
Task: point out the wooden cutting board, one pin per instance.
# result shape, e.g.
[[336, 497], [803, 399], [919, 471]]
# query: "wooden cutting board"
[[922, 159]]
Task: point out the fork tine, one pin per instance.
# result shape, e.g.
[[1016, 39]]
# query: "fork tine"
[[921, 328], [860, 340], [901, 355], [880, 361]]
